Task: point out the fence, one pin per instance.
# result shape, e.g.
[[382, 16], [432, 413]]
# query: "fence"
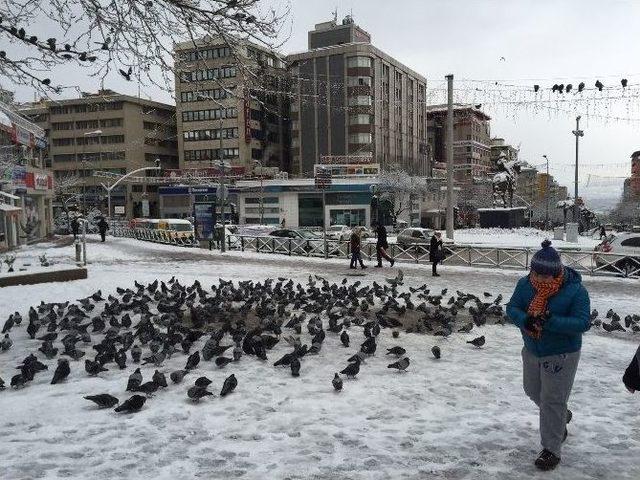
[[514, 258], [156, 236]]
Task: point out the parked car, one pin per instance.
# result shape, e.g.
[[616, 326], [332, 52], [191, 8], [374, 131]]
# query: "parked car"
[[626, 247], [414, 236], [338, 232], [300, 237]]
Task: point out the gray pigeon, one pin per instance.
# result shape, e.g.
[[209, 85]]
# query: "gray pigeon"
[[103, 400], [135, 380], [337, 382], [401, 364], [177, 376]]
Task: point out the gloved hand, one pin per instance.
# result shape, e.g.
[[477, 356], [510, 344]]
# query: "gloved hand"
[[533, 326]]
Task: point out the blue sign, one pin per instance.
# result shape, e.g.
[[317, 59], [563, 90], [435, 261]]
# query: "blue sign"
[[203, 219]]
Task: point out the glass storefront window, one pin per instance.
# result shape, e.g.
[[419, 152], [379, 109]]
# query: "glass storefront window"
[[310, 211], [350, 217]]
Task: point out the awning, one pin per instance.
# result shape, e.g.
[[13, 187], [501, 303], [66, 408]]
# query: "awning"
[[9, 195], [5, 207]]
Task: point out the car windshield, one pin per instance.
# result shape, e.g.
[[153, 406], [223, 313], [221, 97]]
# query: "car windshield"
[[307, 234], [182, 227], [335, 228]]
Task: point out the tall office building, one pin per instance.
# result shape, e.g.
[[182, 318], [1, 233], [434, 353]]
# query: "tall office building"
[[108, 132], [353, 104], [232, 105]]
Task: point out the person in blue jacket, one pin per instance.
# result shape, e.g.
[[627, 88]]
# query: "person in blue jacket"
[[551, 307]]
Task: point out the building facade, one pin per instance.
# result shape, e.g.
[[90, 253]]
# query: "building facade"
[[352, 99], [631, 190], [111, 133], [232, 105], [471, 141], [26, 185]]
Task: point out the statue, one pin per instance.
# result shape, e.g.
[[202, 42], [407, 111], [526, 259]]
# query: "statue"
[[504, 182]]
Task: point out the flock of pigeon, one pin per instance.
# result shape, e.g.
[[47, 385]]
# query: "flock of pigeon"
[[150, 323]]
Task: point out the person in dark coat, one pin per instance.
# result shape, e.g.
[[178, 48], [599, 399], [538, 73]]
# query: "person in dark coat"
[[435, 252], [103, 226], [603, 232], [356, 243], [551, 307], [631, 376], [382, 245], [75, 227]]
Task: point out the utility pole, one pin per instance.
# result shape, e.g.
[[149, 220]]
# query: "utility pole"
[[546, 191], [576, 209], [449, 222]]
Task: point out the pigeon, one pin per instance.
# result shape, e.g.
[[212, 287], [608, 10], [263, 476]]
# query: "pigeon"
[[136, 353], [6, 343], [103, 400], [401, 364], [8, 325], [229, 385], [62, 371], [195, 393], [120, 358], [295, 367], [132, 404], [221, 362], [94, 368], [156, 359], [177, 376], [127, 74], [237, 353], [148, 388], [18, 380], [435, 350], [344, 338], [203, 382], [466, 328], [159, 379], [477, 342], [352, 369], [337, 382], [285, 360], [193, 360], [395, 334], [135, 380], [397, 351]]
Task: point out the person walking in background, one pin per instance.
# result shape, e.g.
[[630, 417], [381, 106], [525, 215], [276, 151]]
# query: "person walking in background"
[[631, 378], [551, 308], [382, 245], [603, 232], [356, 243], [435, 253], [103, 226], [75, 227]]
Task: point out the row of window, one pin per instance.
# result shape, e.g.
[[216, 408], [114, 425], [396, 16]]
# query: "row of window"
[[164, 159], [88, 140], [360, 100], [86, 124], [199, 96], [211, 154], [359, 62], [88, 107], [360, 119], [265, 200], [254, 210], [89, 157], [211, 114], [210, 134], [360, 138], [208, 74], [205, 54]]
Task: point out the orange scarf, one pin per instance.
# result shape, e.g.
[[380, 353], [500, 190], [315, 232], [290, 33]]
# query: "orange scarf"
[[544, 291]]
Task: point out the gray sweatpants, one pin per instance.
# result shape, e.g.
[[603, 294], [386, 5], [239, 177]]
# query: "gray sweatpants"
[[548, 382]]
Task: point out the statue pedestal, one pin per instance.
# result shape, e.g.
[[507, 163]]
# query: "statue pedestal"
[[502, 217]]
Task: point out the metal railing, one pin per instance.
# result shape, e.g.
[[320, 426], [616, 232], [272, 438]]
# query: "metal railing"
[[513, 258], [156, 236]]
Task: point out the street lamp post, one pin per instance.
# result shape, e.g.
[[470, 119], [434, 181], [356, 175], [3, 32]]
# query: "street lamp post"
[[576, 208], [546, 216], [258, 162], [95, 133], [115, 184]]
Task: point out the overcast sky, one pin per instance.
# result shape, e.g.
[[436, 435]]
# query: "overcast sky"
[[542, 42]]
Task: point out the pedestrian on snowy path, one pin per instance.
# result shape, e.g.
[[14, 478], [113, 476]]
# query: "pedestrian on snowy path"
[[435, 253], [75, 227], [603, 232], [382, 245], [551, 307], [356, 243], [103, 226], [631, 376]]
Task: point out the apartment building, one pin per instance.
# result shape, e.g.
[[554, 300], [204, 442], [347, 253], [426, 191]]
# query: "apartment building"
[[232, 105], [471, 141], [107, 132], [353, 101]]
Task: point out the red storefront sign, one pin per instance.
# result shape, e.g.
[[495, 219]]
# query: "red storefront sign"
[[38, 181]]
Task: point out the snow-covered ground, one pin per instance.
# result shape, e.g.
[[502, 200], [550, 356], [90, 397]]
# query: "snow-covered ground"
[[517, 237], [462, 417]]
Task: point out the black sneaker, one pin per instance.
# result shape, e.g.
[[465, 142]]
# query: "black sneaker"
[[547, 460]]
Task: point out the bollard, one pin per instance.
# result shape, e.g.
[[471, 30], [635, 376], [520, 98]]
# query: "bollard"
[[78, 251]]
